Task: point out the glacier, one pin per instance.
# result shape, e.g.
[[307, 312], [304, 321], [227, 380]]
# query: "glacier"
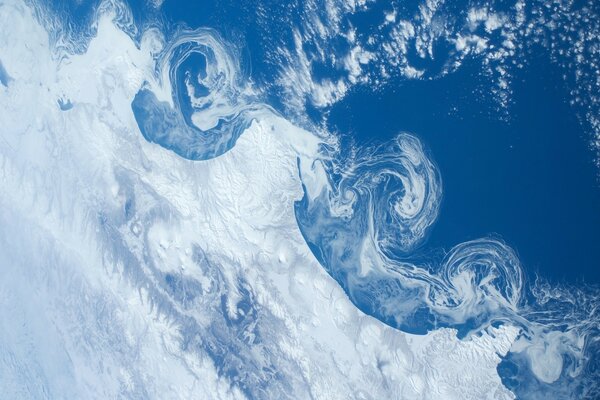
[[162, 237]]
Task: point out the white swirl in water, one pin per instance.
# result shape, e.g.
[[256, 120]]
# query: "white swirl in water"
[[365, 227], [198, 115], [400, 188], [222, 74], [480, 273]]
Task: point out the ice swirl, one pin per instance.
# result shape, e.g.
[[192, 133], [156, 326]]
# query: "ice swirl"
[[367, 224], [203, 109]]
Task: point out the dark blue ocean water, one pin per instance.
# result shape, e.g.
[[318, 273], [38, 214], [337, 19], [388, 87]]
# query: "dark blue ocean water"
[[530, 178]]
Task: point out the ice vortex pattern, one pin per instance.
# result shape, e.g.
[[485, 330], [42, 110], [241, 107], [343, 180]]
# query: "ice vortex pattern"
[[367, 226], [207, 110]]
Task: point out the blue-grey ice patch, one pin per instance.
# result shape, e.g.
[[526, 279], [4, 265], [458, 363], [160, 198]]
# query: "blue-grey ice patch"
[[4, 77], [65, 104]]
